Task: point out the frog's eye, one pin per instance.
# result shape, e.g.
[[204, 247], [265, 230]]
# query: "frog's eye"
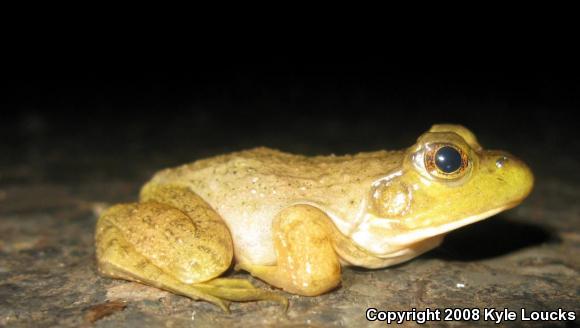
[[446, 161]]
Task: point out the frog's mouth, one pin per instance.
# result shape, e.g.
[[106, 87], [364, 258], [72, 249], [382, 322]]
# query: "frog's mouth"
[[414, 236]]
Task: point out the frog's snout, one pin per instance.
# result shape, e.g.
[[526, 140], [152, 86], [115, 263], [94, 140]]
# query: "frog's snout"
[[514, 170]]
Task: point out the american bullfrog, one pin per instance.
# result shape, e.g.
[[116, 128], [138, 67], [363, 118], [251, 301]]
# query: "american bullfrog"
[[294, 221]]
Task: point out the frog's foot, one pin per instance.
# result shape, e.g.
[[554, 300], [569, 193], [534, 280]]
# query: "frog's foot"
[[179, 250], [239, 290], [307, 262]]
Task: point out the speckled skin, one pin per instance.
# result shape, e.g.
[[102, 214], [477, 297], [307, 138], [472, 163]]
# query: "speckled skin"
[[249, 188], [293, 220]]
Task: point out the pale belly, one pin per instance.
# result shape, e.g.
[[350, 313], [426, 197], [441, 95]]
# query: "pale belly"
[[252, 236]]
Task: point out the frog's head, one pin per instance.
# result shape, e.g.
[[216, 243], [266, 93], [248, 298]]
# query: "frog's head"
[[446, 181]]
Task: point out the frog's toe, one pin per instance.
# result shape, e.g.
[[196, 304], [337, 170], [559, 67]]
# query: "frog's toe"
[[239, 290]]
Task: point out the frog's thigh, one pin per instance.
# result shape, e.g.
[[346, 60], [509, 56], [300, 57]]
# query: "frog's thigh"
[[169, 239], [137, 242], [307, 262], [163, 246]]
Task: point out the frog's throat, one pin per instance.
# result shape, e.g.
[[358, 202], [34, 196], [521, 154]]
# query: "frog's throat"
[[407, 238]]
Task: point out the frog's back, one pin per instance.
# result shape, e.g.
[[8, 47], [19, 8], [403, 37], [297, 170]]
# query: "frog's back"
[[248, 188]]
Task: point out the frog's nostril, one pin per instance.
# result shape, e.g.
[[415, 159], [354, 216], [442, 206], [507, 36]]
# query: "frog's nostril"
[[501, 161]]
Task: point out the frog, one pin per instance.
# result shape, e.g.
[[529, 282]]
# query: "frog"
[[295, 221]]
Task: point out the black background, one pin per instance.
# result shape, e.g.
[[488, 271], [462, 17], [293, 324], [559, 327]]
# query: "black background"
[[76, 121]]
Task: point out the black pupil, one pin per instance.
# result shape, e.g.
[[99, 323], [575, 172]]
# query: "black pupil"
[[448, 159]]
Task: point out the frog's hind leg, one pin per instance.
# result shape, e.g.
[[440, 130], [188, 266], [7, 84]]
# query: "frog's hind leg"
[[117, 258], [307, 261], [174, 241]]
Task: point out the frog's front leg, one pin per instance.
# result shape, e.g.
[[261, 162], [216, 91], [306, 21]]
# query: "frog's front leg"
[[175, 241], [307, 263]]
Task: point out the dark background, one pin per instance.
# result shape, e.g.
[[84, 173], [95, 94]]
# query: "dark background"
[[76, 122]]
